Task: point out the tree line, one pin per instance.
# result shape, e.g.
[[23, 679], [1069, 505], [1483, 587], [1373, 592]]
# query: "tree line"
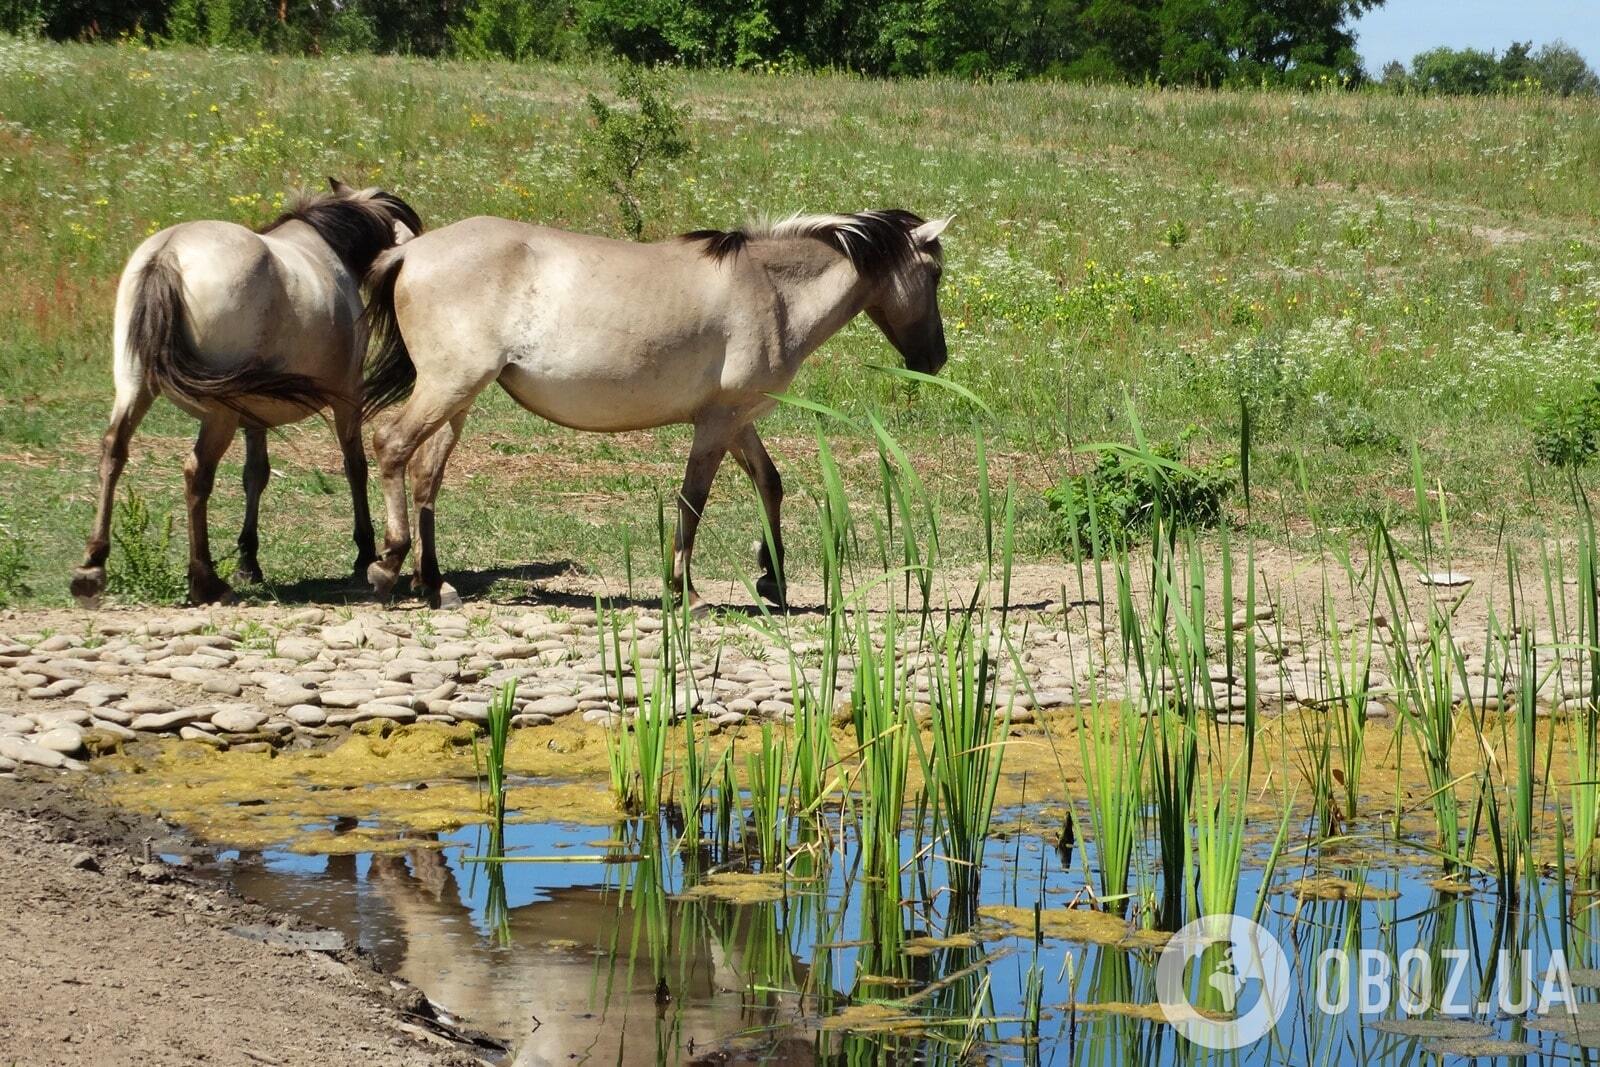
[[1299, 43]]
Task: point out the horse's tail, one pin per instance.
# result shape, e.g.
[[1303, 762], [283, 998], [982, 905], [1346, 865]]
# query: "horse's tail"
[[390, 373], [157, 345]]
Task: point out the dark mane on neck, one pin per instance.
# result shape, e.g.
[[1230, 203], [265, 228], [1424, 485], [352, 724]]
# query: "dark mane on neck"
[[718, 245], [357, 229], [876, 242]]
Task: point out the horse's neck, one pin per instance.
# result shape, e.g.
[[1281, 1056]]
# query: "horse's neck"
[[821, 291]]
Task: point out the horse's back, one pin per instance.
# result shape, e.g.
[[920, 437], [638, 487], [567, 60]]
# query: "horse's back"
[[589, 332]]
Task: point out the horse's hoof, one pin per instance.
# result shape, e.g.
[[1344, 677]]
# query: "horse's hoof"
[[698, 608], [363, 561], [382, 580], [248, 574], [210, 591], [771, 590], [446, 598], [88, 584]]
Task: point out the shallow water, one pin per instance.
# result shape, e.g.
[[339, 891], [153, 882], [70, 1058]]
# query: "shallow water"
[[594, 955]]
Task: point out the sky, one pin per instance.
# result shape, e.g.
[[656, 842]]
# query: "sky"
[[1402, 28]]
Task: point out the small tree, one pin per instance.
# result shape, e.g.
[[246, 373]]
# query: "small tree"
[[1561, 68], [627, 140]]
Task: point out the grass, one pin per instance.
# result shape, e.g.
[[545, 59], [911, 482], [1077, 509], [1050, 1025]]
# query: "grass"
[[1362, 270]]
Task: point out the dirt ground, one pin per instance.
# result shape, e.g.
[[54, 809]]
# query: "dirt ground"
[[110, 960]]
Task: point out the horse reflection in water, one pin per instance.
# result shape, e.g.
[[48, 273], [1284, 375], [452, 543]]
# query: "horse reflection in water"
[[576, 981]]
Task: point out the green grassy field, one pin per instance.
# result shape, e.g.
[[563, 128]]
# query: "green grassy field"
[[1366, 271]]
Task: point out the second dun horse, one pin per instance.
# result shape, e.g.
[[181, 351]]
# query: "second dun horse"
[[606, 335], [251, 329]]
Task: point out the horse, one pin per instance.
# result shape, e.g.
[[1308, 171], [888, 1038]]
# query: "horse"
[[607, 336], [251, 329]]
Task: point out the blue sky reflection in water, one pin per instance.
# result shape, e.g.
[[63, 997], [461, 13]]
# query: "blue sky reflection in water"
[[602, 960]]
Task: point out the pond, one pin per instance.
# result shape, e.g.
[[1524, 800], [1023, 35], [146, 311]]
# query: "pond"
[[628, 946]]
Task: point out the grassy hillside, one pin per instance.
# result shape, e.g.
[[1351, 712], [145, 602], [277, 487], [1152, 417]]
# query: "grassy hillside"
[[1367, 271]]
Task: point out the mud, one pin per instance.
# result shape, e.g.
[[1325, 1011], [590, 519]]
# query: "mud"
[[113, 959]]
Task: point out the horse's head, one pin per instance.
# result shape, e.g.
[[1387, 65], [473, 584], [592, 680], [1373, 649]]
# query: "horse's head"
[[906, 306], [404, 222]]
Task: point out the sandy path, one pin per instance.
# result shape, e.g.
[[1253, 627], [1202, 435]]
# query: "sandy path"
[[107, 967]]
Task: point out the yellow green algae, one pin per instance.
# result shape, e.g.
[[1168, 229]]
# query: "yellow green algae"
[[737, 888], [1075, 924], [1331, 888], [377, 773], [874, 1017]]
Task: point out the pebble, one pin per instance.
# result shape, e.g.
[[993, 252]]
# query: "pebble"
[[306, 715], [194, 733], [297, 648], [237, 719], [552, 706], [98, 694], [59, 688], [166, 720], [19, 750], [347, 698], [144, 705], [67, 740]]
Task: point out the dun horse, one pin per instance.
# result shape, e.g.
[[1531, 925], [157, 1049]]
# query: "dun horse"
[[251, 329], [607, 336]]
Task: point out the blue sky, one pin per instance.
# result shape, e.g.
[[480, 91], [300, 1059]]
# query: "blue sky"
[[1402, 28]]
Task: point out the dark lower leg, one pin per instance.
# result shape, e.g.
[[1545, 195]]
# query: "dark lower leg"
[[697, 478], [89, 579], [257, 471], [347, 424], [427, 473], [757, 463], [199, 475]]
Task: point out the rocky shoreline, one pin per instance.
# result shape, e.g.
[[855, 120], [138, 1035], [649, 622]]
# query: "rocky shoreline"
[[257, 679]]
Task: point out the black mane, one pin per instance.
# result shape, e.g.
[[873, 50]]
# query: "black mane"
[[719, 244], [875, 242], [356, 228]]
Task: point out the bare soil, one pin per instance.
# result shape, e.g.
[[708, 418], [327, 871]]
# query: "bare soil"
[[112, 960]]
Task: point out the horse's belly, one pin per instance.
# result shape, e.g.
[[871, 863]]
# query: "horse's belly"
[[602, 405], [611, 393]]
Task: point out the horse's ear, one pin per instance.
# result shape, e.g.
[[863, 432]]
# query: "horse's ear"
[[929, 231], [339, 187]]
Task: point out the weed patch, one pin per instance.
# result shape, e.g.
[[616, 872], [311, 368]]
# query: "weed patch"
[[142, 568], [1128, 490]]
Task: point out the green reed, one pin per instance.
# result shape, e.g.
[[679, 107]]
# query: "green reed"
[[768, 813]]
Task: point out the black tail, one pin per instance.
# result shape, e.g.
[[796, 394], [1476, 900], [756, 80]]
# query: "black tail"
[[171, 365], [390, 372]]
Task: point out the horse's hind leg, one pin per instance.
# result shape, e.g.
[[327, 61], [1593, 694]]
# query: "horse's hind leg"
[[430, 407], [347, 425], [200, 475], [256, 473], [752, 455], [427, 471], [89, 580]]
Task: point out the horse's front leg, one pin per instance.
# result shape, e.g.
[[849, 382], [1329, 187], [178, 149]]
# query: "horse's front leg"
[[347, 426], [705, 456], [257, 470], [199, 476], [752, 455], [89, 580]]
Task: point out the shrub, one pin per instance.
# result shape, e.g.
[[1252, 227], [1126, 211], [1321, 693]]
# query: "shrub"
[[1120, 498], [626, 141], [13, 567], [1348, 424], [1566, 431], [142, 568]]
